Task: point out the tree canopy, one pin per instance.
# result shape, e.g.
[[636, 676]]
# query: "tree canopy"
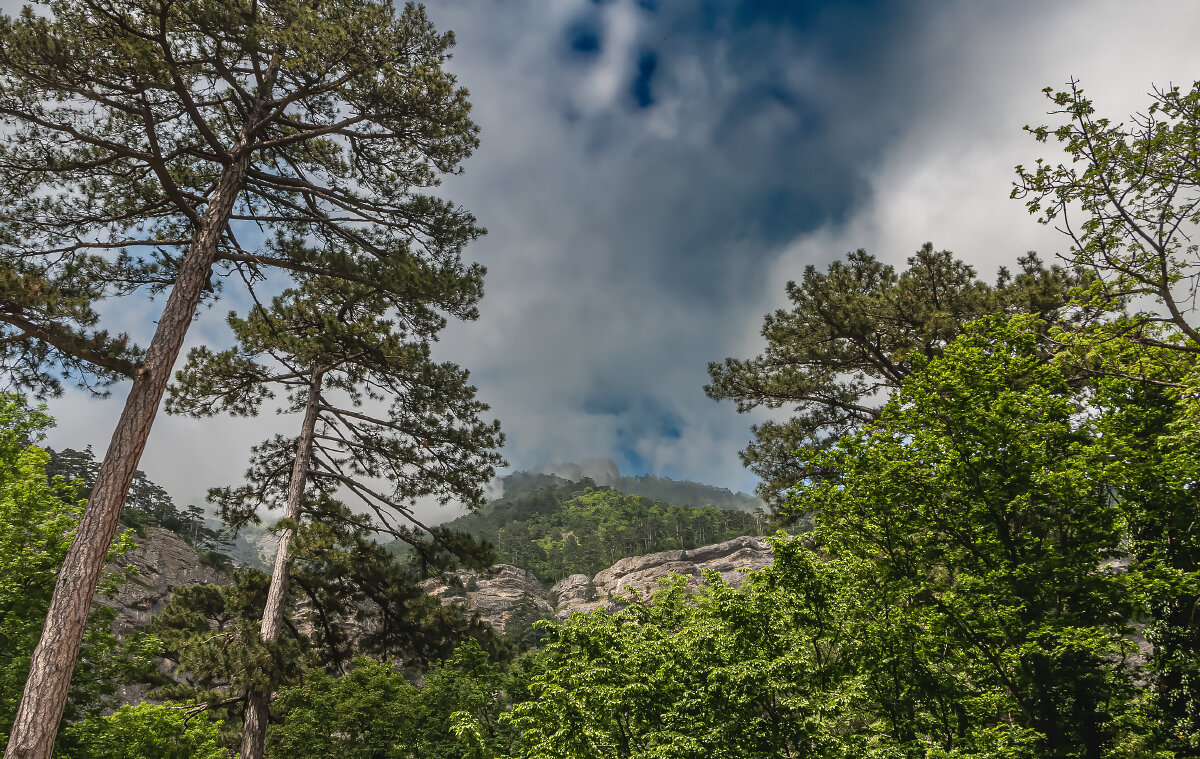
[[850, 338]]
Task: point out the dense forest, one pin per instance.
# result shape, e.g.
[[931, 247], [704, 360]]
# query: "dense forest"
[[556, 528], [991, 487], [605, 473]]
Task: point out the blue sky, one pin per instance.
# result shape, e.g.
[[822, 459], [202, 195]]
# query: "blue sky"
[[652, 173]]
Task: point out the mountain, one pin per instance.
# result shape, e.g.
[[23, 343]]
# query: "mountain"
[[604, 472], [686, 493], [555, 527]]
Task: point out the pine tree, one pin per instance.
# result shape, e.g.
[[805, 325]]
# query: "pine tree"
[[336, 352], [848, 341], [149, 146]]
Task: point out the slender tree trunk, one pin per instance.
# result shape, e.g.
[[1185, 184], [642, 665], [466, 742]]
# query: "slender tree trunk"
[[254, 724], [45, 696]]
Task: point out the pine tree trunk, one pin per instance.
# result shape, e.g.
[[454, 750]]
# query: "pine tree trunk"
[[254, 724], [45, 696]]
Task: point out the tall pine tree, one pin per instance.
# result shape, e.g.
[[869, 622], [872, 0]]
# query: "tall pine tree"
[[152, 145], [381, 422]]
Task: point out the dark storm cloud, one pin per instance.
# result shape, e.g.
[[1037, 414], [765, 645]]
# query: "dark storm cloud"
[[642, 89], [635, 198]]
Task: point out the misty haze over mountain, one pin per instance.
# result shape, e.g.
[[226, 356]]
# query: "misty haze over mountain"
[[604, 472]]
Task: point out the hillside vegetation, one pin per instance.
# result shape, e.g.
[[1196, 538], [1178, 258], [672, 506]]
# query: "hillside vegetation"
[[556, 528]]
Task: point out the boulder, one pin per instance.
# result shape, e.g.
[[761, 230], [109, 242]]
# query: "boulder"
[[573, 590], [496, 593]]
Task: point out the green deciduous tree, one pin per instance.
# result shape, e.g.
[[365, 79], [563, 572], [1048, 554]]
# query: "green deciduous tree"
[[980, 497], [371, 711], [164, 731], [724, 673], [37, 519], [1147, 426], [1129, 199], [374, 711], [139, 135], [849, 339]]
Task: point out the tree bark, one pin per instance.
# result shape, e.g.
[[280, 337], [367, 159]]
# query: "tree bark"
[[254, 718], [45, 695]]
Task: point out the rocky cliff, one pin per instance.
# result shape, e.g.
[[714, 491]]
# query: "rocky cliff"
[[162, 562], [496, 594]]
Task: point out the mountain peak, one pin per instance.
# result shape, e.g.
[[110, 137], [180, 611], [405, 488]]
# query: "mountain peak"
[[602, 471]]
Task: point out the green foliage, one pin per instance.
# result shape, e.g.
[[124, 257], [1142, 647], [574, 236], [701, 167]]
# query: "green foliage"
[[122, 119], [37, 523], [978, 498], [210, 639], [349, 597], [981, 556], [362, 600], [145, 731], [577, 528], [1129, 197], [374, 712], [214, 653], [723, 673], [850, 337], [371, 711], [1148, 429]]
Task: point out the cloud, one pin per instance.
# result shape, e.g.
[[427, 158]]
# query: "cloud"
[[651, 175]]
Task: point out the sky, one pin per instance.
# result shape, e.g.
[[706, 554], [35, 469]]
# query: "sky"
[[653, 172]]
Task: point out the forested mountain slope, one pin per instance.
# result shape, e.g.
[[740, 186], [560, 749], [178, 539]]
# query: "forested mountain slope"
[[556, 528], [605, 472]]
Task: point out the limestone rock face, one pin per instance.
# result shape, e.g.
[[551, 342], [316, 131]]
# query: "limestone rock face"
[[498, 592], [641, 574], [493, 595], [163, 562], [573, 590]]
